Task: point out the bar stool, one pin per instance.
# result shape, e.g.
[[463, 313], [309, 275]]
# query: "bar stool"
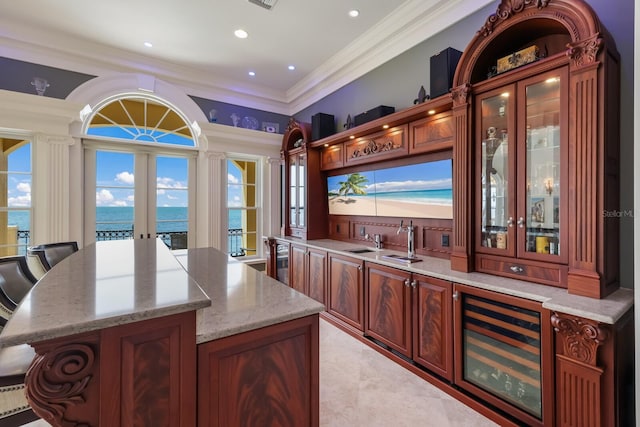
[[42, 258], [15, 282]]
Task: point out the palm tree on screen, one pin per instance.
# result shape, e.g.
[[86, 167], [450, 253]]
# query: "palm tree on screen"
[[354, 184]]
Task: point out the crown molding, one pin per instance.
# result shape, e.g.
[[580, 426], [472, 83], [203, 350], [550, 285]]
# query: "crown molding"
[[409, 25], [413, 22]]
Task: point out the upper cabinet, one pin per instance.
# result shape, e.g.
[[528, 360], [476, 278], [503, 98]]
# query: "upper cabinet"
[[536, 159], [301, 181]]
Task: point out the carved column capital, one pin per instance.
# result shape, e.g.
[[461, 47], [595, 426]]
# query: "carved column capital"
[[459, 94], [58, 379], [584, 52], [580, 337]]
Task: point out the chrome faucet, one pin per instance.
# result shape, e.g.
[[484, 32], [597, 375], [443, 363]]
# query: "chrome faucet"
[[376, 239], [409, 229]]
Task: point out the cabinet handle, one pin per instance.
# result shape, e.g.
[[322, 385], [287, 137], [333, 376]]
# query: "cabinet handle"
[[455, 295], [359, 268], [414, 284], [516, 269], [521, 222], [406, 282], [510, 221]]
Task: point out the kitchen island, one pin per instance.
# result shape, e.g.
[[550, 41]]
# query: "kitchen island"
[[125, 336]]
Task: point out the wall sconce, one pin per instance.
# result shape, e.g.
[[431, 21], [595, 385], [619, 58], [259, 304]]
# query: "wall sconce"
[[548, 185], [40, 84]]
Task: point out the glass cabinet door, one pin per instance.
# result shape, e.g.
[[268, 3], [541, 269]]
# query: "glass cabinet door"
[[302, 197], [539, 217], [496, 204], [293, 191]]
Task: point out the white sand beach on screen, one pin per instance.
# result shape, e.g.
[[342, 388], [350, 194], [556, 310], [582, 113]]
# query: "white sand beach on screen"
[[387, 207]]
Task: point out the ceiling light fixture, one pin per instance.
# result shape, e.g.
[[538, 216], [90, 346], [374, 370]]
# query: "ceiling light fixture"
[[148, 44], [354, 13], [241, 34], [291, 67], [252, 73]]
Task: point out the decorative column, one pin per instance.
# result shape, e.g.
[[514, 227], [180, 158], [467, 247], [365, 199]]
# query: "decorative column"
[[272, 200], [51, 171], [461, 259], [217, 195], [580, 398]]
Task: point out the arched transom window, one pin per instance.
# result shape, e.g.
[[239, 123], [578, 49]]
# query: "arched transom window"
[[142, 119]]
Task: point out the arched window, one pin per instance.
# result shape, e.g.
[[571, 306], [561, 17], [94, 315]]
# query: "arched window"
[[139, 162], [142, 119]]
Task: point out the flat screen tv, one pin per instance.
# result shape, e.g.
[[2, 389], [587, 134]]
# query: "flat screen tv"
[[423, 190]]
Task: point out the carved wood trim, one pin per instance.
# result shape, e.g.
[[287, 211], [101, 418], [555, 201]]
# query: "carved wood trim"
[[375, 147], [58, 379], [586, 51], [507, 9], [459, 94], [580, 337]]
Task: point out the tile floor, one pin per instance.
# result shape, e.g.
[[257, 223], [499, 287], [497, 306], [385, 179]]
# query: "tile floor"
[[361, 388]]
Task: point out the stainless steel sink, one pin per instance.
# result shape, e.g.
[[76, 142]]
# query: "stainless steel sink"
[[400, 258], [359, 250]]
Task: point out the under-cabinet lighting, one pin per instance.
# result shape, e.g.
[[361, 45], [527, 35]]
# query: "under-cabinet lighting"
[[552, 80], [431, 112], [505, 95], [385, 127], [326, 145], [351, 137]]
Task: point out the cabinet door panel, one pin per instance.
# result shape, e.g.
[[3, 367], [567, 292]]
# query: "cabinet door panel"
[[298, 268], [388, 296], [433, 344], [346, 299], [317, 275]]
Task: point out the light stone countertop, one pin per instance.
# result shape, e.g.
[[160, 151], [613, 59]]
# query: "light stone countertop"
[[608, 310], [102, 285], [242, 298]]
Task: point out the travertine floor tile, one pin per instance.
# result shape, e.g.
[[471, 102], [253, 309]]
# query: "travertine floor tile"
[[361, 388]]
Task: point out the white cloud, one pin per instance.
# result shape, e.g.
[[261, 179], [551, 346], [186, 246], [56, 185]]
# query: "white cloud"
[[20, 201], [24, 187], [119, 203], [160, 191], [104, 197], [166, 182], [232, 179], [130, 198], [412, 185], [170, 197], [125, 177]]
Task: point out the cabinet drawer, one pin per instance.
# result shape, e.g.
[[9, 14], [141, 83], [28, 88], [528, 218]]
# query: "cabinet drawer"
[[332, 157], [549, 274], [431, 134], [378, 146]]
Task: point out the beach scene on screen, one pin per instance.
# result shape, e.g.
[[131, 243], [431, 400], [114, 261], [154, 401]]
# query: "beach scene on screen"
[[423, 190]]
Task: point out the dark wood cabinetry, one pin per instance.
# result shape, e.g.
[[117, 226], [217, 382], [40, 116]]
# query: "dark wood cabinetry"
[[254, 378], [388, 302], [411, 314], [317, 288], [345, 299], [308, 271], [547, 138], [433, 325], [302, 180]]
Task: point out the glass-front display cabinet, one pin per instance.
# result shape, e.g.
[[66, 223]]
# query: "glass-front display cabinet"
[[522, 156], [302, 180]]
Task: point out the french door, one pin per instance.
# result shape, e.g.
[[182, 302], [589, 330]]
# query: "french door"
[[138, 194]]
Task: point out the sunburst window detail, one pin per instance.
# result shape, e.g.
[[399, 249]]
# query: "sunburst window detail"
[[142, 120]]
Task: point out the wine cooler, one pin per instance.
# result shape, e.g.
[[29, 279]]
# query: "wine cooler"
[[502, 352]]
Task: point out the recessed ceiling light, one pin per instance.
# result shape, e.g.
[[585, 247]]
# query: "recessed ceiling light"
[[252, 73], [385, 126], [354, 13], [148, 44], [431, 112], [241, 34], [291, 67]]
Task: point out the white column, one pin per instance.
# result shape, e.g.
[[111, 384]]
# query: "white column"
[[50, 192], [272, 202], [217, 201]]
